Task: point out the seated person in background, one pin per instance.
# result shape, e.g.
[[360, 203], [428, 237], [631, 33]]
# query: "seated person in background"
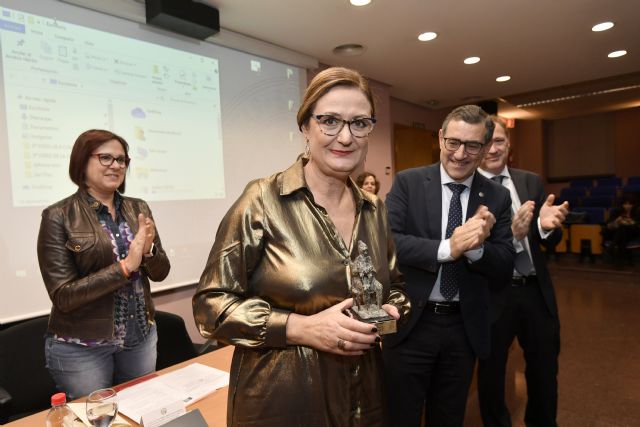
[[622, 227], [275, 285], [97, 250], [368, 182]]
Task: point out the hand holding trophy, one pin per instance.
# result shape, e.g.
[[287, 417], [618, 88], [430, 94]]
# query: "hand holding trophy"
[[367, 293]]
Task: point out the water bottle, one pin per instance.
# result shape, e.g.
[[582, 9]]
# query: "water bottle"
[[60, 415]]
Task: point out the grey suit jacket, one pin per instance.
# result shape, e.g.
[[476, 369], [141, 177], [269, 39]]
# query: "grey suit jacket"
[[415, 211]]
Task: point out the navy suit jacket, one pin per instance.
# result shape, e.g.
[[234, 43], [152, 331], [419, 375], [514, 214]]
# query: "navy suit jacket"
[[529, 187], [415, 211]]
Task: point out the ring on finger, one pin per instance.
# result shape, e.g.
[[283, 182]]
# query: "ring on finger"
[[341, 344]]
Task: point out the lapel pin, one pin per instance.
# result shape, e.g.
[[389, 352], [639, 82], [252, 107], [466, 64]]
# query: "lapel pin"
[[481, 194]]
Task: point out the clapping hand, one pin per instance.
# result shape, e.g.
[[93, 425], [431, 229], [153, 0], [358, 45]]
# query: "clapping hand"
[[473, 233], [141, 243], [551, 216], [522, 220], [150, 233]]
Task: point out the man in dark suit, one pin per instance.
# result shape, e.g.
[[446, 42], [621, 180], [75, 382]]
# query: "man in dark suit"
[[527, 309], [453, 238]]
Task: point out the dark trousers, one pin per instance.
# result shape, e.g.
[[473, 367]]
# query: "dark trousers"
[[432, 366], [526, 317]]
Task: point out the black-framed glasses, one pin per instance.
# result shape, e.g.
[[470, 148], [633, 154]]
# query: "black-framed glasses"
[[107, 159], [470, 147], [331, 125]]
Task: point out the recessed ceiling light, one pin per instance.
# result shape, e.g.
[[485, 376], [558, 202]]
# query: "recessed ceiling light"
[[603, 26], [617, 54], [425, 37], [472, 60], [503, 78], [360, 2], [351, 49]]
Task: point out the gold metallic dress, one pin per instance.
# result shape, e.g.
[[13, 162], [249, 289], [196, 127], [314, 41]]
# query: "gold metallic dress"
[[277, 252]]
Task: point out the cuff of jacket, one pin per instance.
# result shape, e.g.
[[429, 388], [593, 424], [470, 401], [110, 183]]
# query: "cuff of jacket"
[[277, 328]]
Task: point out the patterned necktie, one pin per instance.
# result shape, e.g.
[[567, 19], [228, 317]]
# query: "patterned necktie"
[[522, 262], [452, 271]]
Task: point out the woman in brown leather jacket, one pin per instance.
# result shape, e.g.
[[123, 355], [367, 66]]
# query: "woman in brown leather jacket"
[[97, 250]]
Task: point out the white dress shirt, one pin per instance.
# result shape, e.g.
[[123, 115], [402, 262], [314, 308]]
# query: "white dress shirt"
[[523, 244], [444, 249]]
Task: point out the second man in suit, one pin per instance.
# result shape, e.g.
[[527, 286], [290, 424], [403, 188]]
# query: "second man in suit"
[[528, 307], [452, 229]]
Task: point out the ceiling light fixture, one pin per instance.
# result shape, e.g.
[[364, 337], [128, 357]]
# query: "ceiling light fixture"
[[603, 26], [578, 96], [503, 78], [617, 54], [472, 60], [429, 35], [351, 49], [360, 2]]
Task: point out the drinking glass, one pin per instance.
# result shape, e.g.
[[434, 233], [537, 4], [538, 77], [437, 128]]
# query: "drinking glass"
[[102, 407]]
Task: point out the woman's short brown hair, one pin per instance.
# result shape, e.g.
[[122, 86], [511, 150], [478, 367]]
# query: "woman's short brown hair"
[[326, 80], [360, 180], [81, 152]]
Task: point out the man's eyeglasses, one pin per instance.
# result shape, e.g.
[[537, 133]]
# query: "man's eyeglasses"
[[331, 126], [470, 147], [107, 159]]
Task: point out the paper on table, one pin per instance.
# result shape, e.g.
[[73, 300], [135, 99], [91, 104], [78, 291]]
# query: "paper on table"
[[195, 381], [80, 409], [144, 397], [188, 384]]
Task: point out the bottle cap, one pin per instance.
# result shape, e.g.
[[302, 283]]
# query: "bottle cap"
[[58, 399]]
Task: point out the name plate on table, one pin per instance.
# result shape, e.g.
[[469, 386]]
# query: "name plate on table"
[[190, 419]]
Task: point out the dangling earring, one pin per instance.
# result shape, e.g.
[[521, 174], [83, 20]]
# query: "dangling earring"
[[307, 150]]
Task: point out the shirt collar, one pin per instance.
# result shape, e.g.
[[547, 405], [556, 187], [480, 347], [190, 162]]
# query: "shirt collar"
[[98, 206], [446, 179], [292, 180], [505, 172]]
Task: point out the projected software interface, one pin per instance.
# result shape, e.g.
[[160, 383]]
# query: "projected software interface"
[[61, 79]]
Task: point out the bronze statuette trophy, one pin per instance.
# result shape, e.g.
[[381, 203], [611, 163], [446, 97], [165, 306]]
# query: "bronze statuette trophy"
[[367, 293]]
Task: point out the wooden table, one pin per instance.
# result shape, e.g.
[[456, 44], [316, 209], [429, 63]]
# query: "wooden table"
[[213, 407]]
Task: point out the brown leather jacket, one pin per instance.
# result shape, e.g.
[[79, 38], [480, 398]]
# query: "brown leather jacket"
[[77, 265]]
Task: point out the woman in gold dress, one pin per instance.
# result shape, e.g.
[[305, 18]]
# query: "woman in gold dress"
[[276, 282]]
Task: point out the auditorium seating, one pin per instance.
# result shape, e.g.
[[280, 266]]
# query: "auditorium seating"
[[604, 190], [612, 181], [631, 189], [598, 201], [595, 215], [581, 183], [573, 195]]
